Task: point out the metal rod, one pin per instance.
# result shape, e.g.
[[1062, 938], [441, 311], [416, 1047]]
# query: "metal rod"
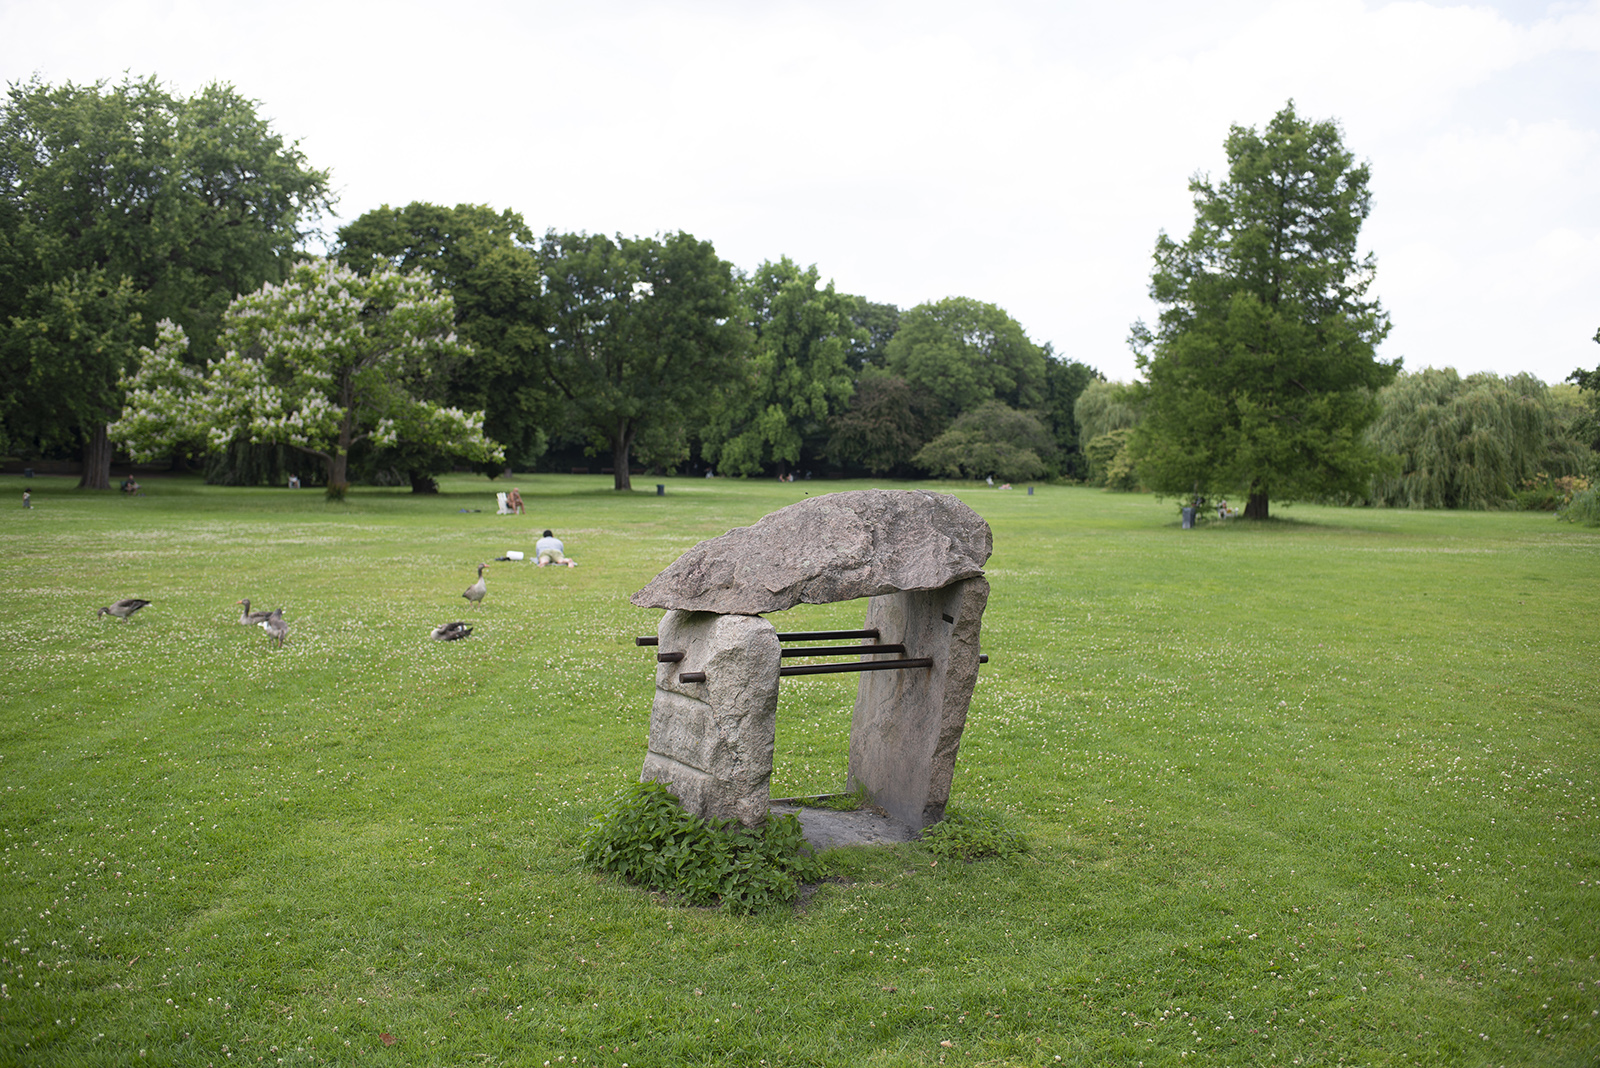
[[797, 636], [693, 676], [668, 658], [841, 650], [983, 658], [827, 635], [862, 665]]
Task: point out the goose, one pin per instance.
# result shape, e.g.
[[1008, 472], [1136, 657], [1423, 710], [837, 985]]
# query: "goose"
[[476, 591], [249, 618], [123, 608], [275, 626], [450, 632]]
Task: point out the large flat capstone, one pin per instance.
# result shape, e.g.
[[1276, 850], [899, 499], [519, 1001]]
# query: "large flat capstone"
[[836, 547]]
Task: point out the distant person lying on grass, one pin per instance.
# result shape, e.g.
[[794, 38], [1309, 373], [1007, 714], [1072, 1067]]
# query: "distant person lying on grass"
[[550, 551]]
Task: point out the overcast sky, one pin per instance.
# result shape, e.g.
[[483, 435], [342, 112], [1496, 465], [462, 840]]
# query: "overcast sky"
[[1024, 154]]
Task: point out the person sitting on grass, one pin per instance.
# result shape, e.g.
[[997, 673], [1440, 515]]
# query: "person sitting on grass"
[[550, 551], [129, 485], [514, 501]]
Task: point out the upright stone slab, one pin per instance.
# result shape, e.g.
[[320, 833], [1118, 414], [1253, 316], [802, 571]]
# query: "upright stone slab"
[[907, 724], [711, 742]]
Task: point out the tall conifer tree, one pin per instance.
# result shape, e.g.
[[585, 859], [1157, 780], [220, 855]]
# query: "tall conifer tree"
[[1262, 369]]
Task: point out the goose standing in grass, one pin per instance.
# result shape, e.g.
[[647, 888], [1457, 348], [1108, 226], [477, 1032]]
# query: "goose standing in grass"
[[275, 626], [451, 632], [476, 591], [124, 608], [249, 618]]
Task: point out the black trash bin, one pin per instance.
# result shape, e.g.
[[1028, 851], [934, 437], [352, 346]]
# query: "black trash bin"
[[1188, 518], [661, 491]]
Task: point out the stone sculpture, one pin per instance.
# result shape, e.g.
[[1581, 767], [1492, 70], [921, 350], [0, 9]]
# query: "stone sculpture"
[[917, 556]]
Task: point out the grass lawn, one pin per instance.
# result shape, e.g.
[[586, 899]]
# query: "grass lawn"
[[1321, 791]]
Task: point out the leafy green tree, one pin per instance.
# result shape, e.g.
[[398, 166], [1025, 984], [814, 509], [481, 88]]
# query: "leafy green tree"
[[1111, 461], [65, 361], [992, 439], [1467, 442], [1064, 383], [645, 336], [1105, 406], [322, 363], [1588, 382], [887, 422], [798, 376], [1105, 414], [966, 352], [878, 324], [126, 200], [488, 262], [1262, 374]]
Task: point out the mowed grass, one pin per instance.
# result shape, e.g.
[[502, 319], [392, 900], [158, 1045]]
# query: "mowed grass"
[[1316, 792]]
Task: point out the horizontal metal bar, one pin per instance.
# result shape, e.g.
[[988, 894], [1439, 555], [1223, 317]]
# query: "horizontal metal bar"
[[827, 635], [835, 669], [668, 658], [859, 665], [797, 636], [841, 650]]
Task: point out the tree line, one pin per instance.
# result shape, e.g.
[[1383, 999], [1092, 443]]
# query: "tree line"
[[157, 298], [159, 301]]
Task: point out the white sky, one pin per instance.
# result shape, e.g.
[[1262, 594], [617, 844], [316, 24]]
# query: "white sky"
[[1021, 153]]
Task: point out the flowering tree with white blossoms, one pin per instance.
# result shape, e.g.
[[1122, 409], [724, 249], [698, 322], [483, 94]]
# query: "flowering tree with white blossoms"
[[326, 360]]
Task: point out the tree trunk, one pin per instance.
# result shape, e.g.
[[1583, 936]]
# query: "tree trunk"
[[96, 460], [422, 482], [338, 469], [1256, 506], [621, 442]]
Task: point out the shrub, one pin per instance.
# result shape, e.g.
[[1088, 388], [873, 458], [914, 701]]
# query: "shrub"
[[648, 839], [969, 836], [1584, 507], [1541, 493]]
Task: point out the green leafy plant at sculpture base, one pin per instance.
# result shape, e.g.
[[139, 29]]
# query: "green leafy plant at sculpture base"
[[964, 835], [648, 839]]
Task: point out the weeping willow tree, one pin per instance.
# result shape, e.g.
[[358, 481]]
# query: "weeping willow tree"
[[1106, 413], [1466, 442]]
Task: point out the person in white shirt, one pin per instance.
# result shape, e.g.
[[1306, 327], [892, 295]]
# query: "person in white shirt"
[[550, 551]]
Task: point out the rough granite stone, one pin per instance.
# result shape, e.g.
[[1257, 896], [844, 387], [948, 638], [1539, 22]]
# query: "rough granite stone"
[[836, 547], [907, 724], [711, 742]]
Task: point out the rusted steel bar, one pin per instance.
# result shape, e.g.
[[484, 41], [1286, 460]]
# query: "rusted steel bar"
[[651, 640], [858, 665], [841, 650], [693, 676], [983, 658], [827, 635], [668, 658]]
